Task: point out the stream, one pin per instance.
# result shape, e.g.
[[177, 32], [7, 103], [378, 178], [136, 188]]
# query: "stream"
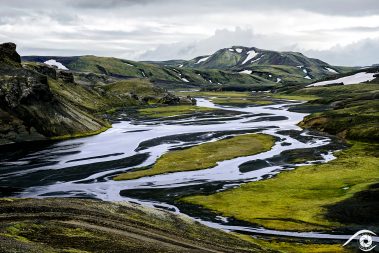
[[85, 167]]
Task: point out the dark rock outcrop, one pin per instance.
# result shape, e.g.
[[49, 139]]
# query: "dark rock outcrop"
[[8, 54], [43, 69], [66, 76], [171, 99], [29, 110]]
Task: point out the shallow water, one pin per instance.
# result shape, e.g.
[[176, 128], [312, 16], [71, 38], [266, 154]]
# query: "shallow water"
[[85, 167]]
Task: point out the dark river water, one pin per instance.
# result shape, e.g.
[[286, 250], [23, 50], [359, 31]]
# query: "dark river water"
[[85, 167]]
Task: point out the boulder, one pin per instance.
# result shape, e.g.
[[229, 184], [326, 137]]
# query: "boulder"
[[169, 99]]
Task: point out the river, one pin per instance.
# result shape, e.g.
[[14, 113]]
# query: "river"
[[85, 167]]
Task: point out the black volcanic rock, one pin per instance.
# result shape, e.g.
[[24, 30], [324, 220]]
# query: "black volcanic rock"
[[29, 109], [66, 76], [8, 54], [45, 69], [19, 85]]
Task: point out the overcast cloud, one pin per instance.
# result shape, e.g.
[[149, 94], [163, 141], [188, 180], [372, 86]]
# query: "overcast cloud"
[[343, 32]]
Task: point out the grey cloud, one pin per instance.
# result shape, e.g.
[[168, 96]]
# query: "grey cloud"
[[167, 29], [361, 53], [221, 39], [336, 7], [90, 4], [355, 29]]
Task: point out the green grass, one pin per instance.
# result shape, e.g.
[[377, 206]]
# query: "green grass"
[[296, 200], [205, 155], [141, 87], [174, 110], [240, 101], [81, 135], [224, 94], [229, 97], [295, 247], [295, 97]]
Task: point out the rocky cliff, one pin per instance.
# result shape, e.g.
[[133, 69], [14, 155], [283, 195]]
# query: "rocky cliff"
[[40, 102], [29, 110]]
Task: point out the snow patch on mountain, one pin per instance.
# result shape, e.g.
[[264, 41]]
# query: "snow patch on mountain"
[[331, 70], [202, 59], [131, 65], [250, 55], [278, 80], [53, 62], [257, 59], [307, 77], [353, 79], [246, 71], [239, 50], [185, 80]]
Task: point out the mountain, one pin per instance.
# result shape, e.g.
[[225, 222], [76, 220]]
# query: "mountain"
[[235, 68], [169, 77], [245, 57], [285, 67]]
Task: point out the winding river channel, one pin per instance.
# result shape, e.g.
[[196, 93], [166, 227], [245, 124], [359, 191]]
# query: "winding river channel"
[[85, 167]]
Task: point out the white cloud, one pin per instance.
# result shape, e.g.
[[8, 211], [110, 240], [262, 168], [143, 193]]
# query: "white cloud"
[[152, 29]]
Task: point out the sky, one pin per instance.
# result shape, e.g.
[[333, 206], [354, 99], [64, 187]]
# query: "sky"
[[340, 32]]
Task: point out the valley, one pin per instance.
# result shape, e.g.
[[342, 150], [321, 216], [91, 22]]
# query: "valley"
[[195, 147]]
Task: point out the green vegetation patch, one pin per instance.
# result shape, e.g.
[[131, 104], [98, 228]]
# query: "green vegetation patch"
[[205, 155], [295, 97], [297, 199], [169, 111], [231, 97], [142, 87], [241, 101], [292, 246], [225, 94]]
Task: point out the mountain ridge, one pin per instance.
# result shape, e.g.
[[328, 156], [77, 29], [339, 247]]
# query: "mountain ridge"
[[236, 67]]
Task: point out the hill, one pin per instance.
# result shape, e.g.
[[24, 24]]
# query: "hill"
[[169, 77]]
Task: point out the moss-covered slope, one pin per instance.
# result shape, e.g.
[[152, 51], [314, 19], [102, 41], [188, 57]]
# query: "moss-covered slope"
[[73, 225]]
